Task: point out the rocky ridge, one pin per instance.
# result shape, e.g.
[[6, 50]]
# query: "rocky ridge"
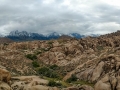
[[5, 40]]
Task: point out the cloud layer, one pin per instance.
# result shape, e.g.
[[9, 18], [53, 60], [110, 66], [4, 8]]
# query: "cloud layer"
[[63, 16]]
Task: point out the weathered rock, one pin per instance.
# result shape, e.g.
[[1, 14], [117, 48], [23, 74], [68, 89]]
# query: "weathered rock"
[[97, 71], [4, 86], [4, 75], [103, 84], [33, 80], [18, 85], [118, 83], [85, 75], [72, 88], [113, 82], [85, 87], [37, 87]]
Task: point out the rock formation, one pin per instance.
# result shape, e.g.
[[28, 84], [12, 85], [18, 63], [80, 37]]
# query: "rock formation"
[[4, 75]]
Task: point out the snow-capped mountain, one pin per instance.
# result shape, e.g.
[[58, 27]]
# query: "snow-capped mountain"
[[76, 35], [52, 34], [24, 35], [17, 33], [36, 36]]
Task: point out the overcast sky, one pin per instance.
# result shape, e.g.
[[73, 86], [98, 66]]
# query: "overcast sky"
[[62, 16]]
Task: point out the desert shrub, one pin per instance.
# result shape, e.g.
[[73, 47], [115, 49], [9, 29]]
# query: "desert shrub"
[[6, 44], [82, 82], [53, 83], [100, 47], [45, 71], [44, 49], [50, 42], [31, 56], [38, 52], [72, 78], [54, 67], [35, 64]]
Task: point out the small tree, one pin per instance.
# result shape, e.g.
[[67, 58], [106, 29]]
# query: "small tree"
[[45, 71], [54, 67], [72, 78], [31, 56], [35, 64], [53, 83]]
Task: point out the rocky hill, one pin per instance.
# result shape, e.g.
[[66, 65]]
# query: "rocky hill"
[[91, 61], [5, 40]]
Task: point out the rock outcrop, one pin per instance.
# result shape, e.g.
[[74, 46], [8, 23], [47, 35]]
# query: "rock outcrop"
[[5, 75], [82, 87], [105, 73], [4, 86]]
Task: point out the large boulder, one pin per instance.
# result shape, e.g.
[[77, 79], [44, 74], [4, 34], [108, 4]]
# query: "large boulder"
[[37, 87], [85, 87], [18, 85], [82, 87], [118, 83], [4, 86], [103, 84], [29, 83], [113, 82], [4, 75], [97, 71]]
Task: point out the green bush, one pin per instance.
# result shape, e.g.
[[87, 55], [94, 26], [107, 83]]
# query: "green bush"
[[45, 71], [53, 83], [31, 56], [54, 67], [35, 64], [38, 52], [72, 78], [6, 44]]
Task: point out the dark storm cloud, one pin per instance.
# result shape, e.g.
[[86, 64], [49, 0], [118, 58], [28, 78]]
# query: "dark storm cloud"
[[64, 16]]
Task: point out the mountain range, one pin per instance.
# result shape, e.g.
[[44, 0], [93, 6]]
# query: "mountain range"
[[28, 36]]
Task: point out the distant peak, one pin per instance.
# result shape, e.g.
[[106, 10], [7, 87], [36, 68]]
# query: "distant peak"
[[18, 33]]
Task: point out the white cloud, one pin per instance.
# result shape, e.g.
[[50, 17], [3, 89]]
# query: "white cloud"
[[64, 16], [48, 1], [103, 28], [112, 2]]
